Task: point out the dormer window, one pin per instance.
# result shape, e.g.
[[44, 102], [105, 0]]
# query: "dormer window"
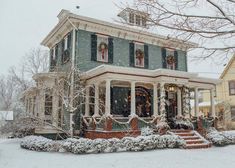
[[134, 17]]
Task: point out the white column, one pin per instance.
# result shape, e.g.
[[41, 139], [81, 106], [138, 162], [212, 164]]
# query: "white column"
[[155, 100], [133, 110], [87, 103], [96, 113], [162, 100], [179, 102], [55, 104], [196, 105], [212, 91], [107, 97]]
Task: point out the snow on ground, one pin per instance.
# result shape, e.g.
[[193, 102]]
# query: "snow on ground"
[[12, 156]]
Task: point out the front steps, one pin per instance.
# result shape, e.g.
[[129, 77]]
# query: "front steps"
[[193, 139]]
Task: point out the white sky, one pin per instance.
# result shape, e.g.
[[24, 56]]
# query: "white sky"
[[24, 23]]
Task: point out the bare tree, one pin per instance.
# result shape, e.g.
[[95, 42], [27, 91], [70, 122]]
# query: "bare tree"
[[210, 23], [7, 93]]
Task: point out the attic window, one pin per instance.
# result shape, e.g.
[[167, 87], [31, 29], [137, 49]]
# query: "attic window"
[[134, 17]]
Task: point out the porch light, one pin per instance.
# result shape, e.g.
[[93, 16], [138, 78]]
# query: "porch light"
[[171, 88]]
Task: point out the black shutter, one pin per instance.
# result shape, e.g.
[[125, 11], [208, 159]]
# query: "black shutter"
[[176, 59], [110, 50], [163, 58], [62, 51], [146, 56], [131, 54], [93, 47], [56, 52], [69, 46]]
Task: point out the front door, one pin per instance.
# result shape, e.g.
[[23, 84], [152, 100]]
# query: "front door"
[[171, 107]]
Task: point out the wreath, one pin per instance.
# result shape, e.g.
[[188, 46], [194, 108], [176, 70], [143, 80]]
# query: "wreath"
[[102, 47], [139, 53], [170, 60]]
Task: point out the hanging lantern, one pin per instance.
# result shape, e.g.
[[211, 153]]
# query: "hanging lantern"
[[171, 88]]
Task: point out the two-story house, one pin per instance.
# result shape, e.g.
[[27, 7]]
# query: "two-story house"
[[137, 75], [225, 97]]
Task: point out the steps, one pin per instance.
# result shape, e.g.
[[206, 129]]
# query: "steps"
[[193, 139]]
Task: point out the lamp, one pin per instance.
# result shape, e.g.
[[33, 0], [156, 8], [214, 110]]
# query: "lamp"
[[171, 88]]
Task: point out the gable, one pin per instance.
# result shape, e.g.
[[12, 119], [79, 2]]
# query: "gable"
[[229, 70]]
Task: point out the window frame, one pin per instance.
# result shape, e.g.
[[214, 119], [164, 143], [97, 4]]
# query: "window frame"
[[143, 63], [232, 111], [171, 51], [231, 88], [98, 57]]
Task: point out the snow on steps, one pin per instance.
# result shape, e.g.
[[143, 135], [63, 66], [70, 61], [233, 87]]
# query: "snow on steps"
[[193, 139]]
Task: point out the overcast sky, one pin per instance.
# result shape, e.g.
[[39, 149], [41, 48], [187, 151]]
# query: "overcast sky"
[[24, 24]]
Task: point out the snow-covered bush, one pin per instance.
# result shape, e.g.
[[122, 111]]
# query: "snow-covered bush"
[[83, 145], [146, 131], [182, 123], [162, 127], [221, 138], [39, 143]]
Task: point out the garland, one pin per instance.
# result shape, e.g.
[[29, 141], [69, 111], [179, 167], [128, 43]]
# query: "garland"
[[186, 100]]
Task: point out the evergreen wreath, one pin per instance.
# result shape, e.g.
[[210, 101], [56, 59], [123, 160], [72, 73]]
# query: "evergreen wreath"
[[102, 47], [170, 59]]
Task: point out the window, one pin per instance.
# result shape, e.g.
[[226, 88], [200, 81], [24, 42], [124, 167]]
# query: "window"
[[102, 48], [139, 55], [137, 20], [233, 113], [170, 59], [131, 18], [48, 102], [144, 21], [231, 85]]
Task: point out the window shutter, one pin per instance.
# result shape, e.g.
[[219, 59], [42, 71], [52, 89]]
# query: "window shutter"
[[56, 52], [93, 47], [163, 58], [69, 46], [62, 51], [176, 59], [131, 54], [146, 56], [110, 50]]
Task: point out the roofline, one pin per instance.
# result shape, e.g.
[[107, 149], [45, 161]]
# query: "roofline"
[[227, 66], [109, 24]]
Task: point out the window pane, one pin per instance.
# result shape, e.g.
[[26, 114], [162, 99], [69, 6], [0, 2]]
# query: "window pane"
[[233, 113], [139, 55], [137, 20], [131, 17]]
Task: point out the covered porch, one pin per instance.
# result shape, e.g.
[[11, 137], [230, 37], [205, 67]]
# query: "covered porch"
[[127, 95]]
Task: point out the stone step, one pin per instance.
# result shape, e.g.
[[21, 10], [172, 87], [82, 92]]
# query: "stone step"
[[198, 146], [195, 141], [190, 137], [184, 134], [180, 131]]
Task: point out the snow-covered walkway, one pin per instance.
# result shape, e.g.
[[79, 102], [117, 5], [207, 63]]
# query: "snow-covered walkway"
[[12, 156]]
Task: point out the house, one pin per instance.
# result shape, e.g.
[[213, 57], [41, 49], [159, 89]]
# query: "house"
[[6, 116], [131, 75], [225, 96]]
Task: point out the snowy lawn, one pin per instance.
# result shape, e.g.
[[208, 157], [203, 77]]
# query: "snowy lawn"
[[13, 156]]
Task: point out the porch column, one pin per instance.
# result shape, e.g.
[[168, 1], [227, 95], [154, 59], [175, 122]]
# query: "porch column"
[[107, 97], [133, 110], [155, 100], [87, 103], [96, 113], [212, 91], [196, 105], [162, 100], [55, 104], [179, 102]]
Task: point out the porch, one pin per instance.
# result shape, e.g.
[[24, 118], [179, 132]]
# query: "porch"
[[132, 98]]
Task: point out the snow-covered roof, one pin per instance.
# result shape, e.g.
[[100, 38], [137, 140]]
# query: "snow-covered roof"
[[6, 115]]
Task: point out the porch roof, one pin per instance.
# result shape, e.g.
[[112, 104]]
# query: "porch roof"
[[146, 75]]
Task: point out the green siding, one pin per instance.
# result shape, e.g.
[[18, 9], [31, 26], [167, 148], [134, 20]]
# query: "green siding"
[[120, 53]]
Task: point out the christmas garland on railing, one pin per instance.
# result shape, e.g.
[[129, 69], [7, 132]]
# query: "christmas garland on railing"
[[186, 100]]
